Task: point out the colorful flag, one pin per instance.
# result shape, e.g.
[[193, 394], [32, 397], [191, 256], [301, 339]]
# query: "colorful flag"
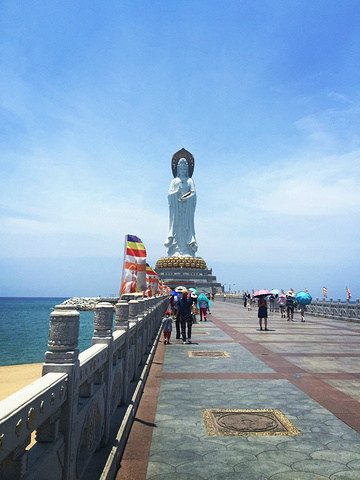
[[152, 281], [348, 293], [134, 269], [306, 290], [325, 292]]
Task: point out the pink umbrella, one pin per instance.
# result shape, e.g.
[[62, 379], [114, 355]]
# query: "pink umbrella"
[[262, 293]]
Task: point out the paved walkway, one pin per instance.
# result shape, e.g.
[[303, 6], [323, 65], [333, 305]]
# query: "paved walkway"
[[309, 371]]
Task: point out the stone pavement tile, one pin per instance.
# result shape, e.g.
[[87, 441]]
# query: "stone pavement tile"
[[287, 347], [326, 364], [173, 458], [347, 475], [275, 337], [155, 469], [240, 360], [350, 387], [352, 446], [281, 453], [344, 457], [354, 465], [350, 419], [212, 334], [203, 468], [298, 476], [260, 470], [176, 476], [319, 467], [288, 457], [230, 457]]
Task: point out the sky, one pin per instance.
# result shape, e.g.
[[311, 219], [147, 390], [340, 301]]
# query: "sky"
[[96, 97]]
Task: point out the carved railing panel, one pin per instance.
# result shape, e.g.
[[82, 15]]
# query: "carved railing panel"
[[69, 409]]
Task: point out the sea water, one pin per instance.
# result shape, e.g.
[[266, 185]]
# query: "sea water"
[[24, 329]]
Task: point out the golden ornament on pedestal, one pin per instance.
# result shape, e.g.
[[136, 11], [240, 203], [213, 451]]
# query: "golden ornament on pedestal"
[[181, 262]]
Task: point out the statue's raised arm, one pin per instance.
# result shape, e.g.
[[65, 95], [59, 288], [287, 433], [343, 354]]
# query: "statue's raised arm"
[[181, 240]]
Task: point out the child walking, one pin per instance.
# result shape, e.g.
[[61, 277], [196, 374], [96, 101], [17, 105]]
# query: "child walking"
[[167, 327]]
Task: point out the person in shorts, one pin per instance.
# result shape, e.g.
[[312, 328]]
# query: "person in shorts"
[[290, 307], [167, 327]]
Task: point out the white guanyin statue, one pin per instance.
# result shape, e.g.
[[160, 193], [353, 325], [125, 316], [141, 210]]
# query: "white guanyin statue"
[[181, 240]]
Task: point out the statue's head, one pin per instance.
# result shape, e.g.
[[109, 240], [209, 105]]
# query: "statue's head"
[[182, 168]]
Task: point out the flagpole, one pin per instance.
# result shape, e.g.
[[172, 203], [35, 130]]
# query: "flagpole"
[[123, 269]]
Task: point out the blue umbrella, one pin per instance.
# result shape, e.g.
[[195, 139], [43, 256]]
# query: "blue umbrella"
[[194, 290], [304, 298]]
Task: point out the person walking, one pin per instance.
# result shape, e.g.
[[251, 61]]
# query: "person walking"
[[184, 315], [262, 313], [248, 302], [194, 309], [290, 307], [209, 303], [167, 327], [272, 303], [282, 303], [244, 299], [202, 303], [302, 309]]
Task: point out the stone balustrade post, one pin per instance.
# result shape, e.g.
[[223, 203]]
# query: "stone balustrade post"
[[339, 307], [133, 322], [103, 323], [133, 311], [122, 316], [141, 302], [348, 313], [142, 325], [150, 316], [122, 323], [63, 357]]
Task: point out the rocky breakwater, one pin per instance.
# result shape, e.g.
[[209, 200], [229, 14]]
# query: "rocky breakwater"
[[81, 303]]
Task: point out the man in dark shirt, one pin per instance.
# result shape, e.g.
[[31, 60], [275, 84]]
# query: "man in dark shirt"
[[184, 315]]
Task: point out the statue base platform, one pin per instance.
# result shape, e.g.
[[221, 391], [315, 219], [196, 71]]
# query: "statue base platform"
[[187, 272]]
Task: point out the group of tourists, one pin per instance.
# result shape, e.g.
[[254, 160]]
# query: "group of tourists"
[[286, 304], [183, 311]]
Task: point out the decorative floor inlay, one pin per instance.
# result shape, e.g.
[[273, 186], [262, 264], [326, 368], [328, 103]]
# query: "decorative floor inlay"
[[219, 422], [208, 354]]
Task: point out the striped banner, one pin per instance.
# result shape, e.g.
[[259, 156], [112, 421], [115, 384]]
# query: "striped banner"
[[134, 267]]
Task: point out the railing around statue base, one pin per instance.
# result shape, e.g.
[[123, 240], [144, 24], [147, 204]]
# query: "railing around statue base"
[[53, 427]]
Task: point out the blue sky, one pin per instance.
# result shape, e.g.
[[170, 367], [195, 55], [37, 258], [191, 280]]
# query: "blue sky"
[[95, 97]]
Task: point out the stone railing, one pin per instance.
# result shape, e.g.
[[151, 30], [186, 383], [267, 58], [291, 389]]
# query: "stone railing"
[[53, 427], [350, 311], [229, 298]]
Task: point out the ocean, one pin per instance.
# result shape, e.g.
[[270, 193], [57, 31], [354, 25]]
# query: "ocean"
[[24, 329]]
